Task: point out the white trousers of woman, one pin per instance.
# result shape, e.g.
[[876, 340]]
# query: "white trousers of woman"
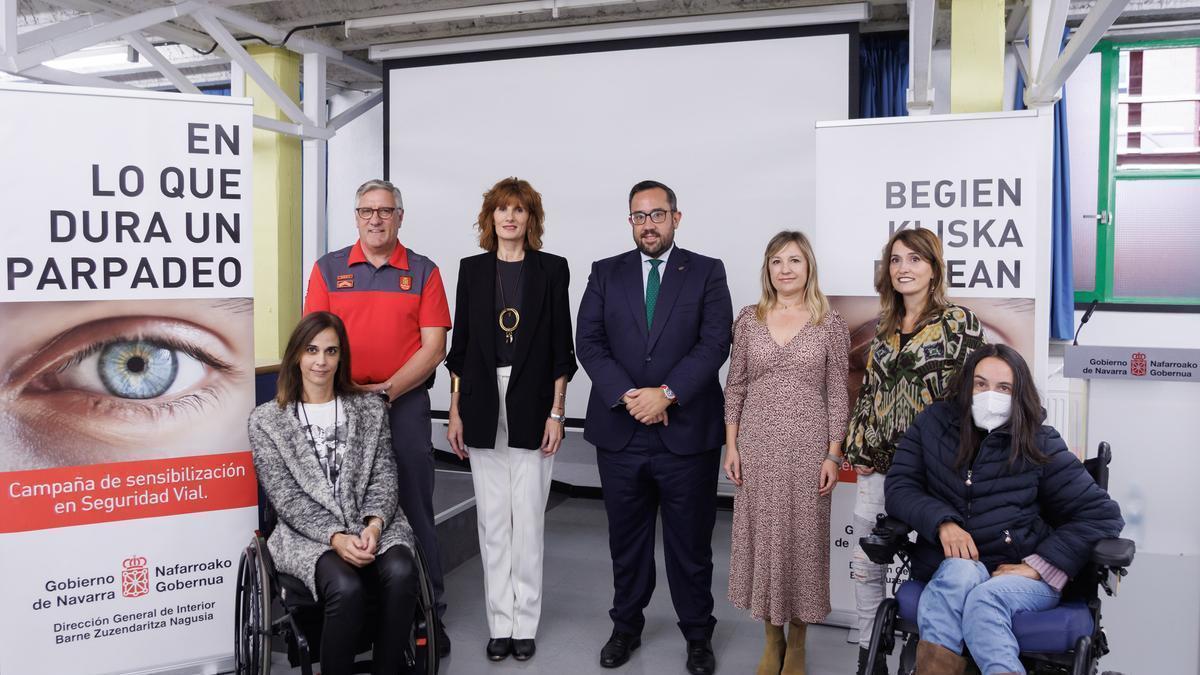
[[870, 579], [511, 488]]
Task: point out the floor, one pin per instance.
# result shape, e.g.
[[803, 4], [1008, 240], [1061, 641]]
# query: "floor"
[[578, 593]]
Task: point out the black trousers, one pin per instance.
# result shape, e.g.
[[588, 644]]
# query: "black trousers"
[[392, 581], [411, 431], [640, 481]]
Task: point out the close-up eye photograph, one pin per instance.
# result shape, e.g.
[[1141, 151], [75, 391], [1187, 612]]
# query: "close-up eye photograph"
[[110, 381]]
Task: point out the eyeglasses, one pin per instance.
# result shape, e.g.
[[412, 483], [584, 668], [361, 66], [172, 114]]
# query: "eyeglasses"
[[385, 212], [655, 216]]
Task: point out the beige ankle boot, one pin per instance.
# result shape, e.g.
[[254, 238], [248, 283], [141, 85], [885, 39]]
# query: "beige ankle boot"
[[934, 659], [772, 658], [793, 658]]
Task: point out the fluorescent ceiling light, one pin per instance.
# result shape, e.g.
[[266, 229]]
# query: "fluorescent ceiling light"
[[776, 18], [477, 12]]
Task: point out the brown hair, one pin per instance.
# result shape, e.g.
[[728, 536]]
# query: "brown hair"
[[290, 386], [814, 299], [508, 191], [891, 304]]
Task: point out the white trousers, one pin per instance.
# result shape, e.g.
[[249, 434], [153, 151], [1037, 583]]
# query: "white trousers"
[[511, 488], [870, 579]]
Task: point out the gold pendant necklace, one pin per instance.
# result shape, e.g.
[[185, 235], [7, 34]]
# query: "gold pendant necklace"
[[509, 317]]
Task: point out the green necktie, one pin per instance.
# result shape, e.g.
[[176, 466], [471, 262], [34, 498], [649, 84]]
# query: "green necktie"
[[652, 283]]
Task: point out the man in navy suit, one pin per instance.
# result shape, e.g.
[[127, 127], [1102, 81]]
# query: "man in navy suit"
[[654, 329]]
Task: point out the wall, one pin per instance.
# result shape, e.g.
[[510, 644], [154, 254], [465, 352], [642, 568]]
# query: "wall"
[[939, 76], [1154, 453], [355, 156]]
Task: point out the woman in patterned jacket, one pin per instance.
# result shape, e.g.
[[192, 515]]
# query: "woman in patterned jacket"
[[323, 455], [920, 343]]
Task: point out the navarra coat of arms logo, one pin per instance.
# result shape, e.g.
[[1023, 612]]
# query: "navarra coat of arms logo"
[[135, 577]]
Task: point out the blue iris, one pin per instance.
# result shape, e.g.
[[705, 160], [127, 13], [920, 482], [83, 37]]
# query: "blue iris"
[[137, 369]]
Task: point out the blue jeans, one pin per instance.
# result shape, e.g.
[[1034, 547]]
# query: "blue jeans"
[[962, 602]]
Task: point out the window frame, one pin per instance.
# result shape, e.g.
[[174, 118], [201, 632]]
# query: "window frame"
[[1109, 173]]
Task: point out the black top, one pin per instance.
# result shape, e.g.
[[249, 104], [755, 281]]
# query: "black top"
[[508, 294], [905, 337]]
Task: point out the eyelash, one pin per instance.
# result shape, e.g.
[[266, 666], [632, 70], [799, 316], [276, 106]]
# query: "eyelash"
[[165, 342]]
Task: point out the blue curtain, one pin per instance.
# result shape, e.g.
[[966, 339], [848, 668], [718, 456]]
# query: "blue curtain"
[[883, 75], [1062, 280]]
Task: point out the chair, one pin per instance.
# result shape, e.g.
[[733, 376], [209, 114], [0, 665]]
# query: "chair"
[[1066, 639], [270, 604]]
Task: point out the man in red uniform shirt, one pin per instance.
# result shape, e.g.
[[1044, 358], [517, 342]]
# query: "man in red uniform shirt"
[[394, 307]]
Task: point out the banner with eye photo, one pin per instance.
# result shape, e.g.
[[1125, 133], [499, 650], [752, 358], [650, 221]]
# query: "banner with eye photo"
[[981, 182], [126, 378]]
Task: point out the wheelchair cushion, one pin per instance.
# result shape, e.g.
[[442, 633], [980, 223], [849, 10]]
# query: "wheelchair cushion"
[[295, 594], [1053, 631]]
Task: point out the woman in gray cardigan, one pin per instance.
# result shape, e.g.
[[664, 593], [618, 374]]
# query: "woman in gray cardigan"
[[324, 457]]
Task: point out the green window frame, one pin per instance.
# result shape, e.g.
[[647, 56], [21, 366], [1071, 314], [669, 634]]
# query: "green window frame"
[[1110, 173]]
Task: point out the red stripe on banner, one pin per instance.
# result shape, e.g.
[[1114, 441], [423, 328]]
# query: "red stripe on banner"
[[101, 493], [846, 475]]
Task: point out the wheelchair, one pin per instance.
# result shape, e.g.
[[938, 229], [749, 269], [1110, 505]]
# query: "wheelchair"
[[272, 605], [1067, 639]]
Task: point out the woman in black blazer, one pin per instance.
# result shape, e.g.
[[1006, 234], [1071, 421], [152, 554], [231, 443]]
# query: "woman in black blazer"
[[512, 343]]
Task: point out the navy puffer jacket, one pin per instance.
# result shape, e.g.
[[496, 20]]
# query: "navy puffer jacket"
[[1054, 510]]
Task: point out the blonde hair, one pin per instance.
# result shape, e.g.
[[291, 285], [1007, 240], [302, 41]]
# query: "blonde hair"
[[814, 299], [891, 304]]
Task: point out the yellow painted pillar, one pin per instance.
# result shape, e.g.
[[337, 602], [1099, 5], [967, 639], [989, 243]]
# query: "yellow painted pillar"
[[277, 206], [976, 56]]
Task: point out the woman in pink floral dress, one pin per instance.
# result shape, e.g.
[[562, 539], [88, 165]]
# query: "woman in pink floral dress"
[[785, 420]]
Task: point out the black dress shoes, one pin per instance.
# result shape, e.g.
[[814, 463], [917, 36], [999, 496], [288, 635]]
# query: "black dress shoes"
[[522, 650], [700, 658], [498, 649], [618, 648]]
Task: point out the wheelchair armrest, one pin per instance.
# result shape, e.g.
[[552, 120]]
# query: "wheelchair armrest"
[[1113, 552], [886, 539]]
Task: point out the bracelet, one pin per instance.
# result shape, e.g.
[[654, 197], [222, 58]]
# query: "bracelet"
[[561, 419], [834, 458], [454, 384]]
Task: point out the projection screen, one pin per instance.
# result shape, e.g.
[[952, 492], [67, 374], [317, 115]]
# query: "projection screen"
[[726, 119]]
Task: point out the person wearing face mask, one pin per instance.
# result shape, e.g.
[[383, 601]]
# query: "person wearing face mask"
[[920, 343], [785, 419], [511, 355], [1005, 514]]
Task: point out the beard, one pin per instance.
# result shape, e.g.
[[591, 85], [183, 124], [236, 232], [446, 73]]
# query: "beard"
[[664, 242]]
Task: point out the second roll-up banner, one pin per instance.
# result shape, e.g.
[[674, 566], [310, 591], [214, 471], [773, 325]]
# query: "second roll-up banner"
[[981, 182], [126, 377]]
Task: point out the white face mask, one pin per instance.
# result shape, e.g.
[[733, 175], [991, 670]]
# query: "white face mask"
[[990, 409]]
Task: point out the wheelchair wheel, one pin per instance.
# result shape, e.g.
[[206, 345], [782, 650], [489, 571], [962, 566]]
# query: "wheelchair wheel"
[[883, 629], [422, 652], [252, 621], [1085, 658]]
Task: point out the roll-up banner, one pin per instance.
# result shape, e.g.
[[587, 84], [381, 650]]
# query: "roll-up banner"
[[982, 183], [126, 377]]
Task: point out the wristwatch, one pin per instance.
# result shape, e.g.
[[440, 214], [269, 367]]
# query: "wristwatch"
[[668, 393], [561, 419]]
